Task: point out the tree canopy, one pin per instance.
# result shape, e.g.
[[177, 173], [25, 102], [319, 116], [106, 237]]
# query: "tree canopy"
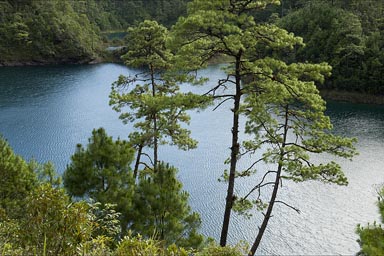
[[46, 32], [257, 75], [102, 172], [371, 236]]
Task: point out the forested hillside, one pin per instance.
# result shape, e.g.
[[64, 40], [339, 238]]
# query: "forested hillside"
[[68, 31], [45, 32], [119, 14], [347, 34]]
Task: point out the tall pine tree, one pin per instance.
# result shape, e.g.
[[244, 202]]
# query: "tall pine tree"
[[228, 28]]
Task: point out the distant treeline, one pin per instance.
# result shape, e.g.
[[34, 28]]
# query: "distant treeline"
[[348, 34], [50, 31], [68, 31], [119, 14]]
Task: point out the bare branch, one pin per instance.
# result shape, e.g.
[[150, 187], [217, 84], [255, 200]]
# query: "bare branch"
[[261, 184], [149, 157], [221, 103], [290, 206], [146, 165]]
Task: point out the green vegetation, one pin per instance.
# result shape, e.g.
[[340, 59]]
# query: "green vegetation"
[[343, 38], [17, 178], [161, 209], [45, 32], [102, 172], [45, 221], [119, 14], [153, 102], [275, 98], [372, 236], [67, 31], [269, 78], [347, 34]]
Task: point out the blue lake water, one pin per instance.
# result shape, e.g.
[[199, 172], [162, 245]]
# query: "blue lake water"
[[46, 111]]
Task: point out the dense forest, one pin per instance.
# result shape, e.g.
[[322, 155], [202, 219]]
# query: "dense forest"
[[348, 34], [54, 31], [118, 197]]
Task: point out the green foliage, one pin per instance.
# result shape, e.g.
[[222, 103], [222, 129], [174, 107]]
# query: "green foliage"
[[52, 224], [139, 246], [348, 36], [96, 247], [136, 245], [371, 238], [162, 211], [155, 103], [48, 32], [112, 14], [102, 172], [213, 249], [276, 98], [288, 117], [17, 180], [158, 110]]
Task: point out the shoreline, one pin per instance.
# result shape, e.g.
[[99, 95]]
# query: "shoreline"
[[326, 94], [352, 97], [47, 63]]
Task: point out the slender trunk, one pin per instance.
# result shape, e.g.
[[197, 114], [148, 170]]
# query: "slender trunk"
[[267, 215], [234, 153], [137, 163], [154, 120]]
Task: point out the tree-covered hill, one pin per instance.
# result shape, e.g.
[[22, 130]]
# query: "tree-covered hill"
[[35, 31], [68, 31], [347, 34], [119, 14]]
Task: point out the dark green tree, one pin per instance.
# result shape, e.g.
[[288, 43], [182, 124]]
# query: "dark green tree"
[[371, 238], [101, 171], [17, 180], [333, 35], [162, 211]]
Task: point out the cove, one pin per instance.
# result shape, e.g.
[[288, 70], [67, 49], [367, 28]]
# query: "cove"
[[46, 111]]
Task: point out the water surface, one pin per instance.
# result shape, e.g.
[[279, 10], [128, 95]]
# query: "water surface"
[[46, 111]]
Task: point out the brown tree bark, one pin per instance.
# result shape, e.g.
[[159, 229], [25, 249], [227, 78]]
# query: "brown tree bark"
[[268, 214], [234, 153]]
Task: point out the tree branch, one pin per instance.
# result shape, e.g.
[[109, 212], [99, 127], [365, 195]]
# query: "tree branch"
[[290, 206], [260, 185]]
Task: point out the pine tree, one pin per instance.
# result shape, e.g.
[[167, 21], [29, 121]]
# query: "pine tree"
[[162, 211], [157, 107], [17, 180], [102, 172], [228, 28], [155, 103]]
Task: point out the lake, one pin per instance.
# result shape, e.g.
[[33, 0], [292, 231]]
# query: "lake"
[[46, 111]]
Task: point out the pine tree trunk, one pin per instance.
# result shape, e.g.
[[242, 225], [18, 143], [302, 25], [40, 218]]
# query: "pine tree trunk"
[[268, 214], [137, 163], [234, 153], [154, 120]]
